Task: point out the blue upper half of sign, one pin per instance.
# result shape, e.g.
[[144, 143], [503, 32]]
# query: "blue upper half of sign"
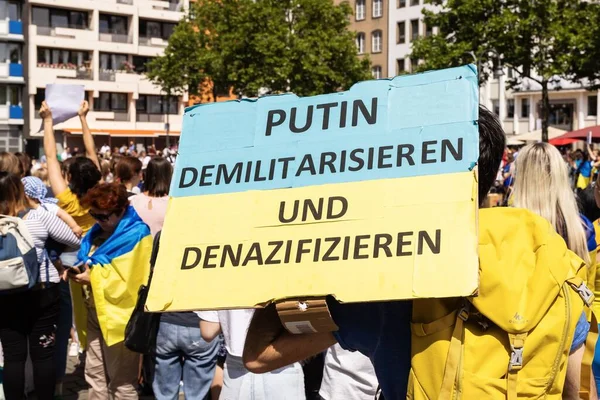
[[410, 125]]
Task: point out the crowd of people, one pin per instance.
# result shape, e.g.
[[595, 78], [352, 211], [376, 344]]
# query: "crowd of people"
[[93, 214]]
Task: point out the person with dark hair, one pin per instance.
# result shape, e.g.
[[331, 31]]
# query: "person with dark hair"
[[25, 161], [382, 330], [114, 261], [151, 205], [83, 172], [28, 319], [128, 172], [181, 353]]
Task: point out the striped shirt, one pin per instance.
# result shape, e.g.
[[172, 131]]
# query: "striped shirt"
[[43, 225]]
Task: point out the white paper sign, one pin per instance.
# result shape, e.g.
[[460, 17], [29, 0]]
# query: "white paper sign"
[[64, 101]]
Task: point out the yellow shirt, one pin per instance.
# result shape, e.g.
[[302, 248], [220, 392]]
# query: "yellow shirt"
[[70, 203]]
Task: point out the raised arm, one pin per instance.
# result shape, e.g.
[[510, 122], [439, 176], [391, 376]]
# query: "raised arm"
[[590, 153], [88, 139], [57, 182], [270, 346]]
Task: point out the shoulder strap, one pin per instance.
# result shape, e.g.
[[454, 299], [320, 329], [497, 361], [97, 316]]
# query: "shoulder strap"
[[153, 255], [588, 359]]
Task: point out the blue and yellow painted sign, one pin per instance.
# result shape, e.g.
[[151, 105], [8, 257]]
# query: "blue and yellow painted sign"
[[367, 195]]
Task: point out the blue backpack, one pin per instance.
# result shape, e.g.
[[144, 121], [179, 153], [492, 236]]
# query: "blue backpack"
[[19, 268]]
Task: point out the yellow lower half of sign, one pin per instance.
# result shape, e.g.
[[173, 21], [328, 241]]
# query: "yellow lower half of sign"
[[375, 240]]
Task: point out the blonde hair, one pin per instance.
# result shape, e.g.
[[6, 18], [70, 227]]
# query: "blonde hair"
[[42, 173], [542, 186]]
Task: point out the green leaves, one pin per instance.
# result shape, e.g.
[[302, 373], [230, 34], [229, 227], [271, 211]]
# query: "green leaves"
[[541, 38], [272, 46]]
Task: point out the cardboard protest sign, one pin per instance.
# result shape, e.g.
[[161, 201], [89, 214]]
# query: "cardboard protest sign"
[[64, 101], [367, 195]]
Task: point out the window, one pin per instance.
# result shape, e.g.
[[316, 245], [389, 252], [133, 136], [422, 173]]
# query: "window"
[[401, 3], [428, 30], [40, 16], [111, 102], [14, 95], [14, 10], [40, 96], [3, 95], [148, 104], [139, 63], [376, 71], [401, 27], [360, 43], [414, 2], [376, 41], [360, 10], [377, 8], [10, 52], [510, 108], [112, 61], [525, 108], [496, 107], [400, 66], [414, 29], [59, 18], [59, 56], [592, 106], [414, 64], [115, 24], [155, 29]]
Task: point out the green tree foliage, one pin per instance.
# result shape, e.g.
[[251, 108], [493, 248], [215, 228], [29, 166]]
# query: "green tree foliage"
[[537, 38], [303, 46]]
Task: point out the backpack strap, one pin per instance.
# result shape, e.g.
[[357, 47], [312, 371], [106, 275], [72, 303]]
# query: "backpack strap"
[[517, 342], [454, 353], [588, 358]]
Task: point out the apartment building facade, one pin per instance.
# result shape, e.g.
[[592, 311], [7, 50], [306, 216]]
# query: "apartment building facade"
[[572, 106], [370, 24], [12, 81], [102, 45]]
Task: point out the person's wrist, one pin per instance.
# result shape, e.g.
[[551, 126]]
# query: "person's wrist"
[[47, 120]]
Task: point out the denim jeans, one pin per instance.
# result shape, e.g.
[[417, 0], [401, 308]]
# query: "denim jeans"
[[286, 383], [181, 353]]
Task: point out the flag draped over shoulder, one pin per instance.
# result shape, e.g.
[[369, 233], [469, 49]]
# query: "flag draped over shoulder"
[[118, 267]]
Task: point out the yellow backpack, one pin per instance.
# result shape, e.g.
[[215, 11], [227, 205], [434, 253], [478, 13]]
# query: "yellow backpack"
[[513, 340]]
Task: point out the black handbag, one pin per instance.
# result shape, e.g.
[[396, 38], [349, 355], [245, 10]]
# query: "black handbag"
[[142, 328]]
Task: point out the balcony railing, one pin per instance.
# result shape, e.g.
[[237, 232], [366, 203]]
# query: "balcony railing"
[[107, 75], [115, 37], [15, 27], [51, 31], [150, 117], [129, 2], [15, 70], [81, 72], [15, 112], [152, 41], [121, 116]]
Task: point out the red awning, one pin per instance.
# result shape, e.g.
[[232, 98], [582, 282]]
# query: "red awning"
[[582, 133], [563, 141]]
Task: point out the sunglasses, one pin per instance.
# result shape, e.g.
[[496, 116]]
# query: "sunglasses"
[[100, 217]]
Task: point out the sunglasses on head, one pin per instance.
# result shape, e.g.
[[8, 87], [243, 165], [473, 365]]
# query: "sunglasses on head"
[[100, 217]]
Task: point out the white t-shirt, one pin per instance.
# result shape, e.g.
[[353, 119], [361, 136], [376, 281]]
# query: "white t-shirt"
[[105, 149], [234, 325], [347, 376]]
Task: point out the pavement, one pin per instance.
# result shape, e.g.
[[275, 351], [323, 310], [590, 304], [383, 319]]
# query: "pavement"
[[74, 384]]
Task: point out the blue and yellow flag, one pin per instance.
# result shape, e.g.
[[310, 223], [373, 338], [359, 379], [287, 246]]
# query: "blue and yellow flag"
[[118, 267]]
